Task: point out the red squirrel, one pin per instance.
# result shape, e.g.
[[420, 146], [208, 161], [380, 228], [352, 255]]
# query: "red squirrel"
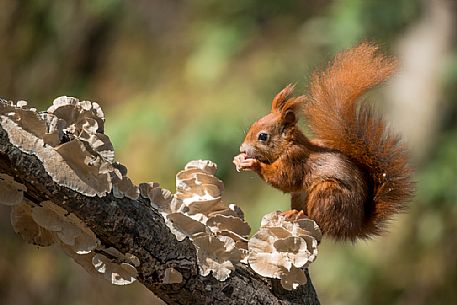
[[354, 175]]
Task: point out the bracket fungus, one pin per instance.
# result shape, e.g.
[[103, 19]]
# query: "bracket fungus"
[[68, 228], [49, 224], [160, 198], [24, 225], [11, 191], [216, 254], [100, 266], [282, 247], [117, 274], [68, 138], [106, 263], [218, 231], [122, 185], [119, 257]]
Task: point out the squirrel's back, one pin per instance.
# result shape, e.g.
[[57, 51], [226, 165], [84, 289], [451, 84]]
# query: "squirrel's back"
[[340, 123]]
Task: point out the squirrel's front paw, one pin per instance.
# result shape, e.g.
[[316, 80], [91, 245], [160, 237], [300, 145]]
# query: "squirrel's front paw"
[[245, 164]]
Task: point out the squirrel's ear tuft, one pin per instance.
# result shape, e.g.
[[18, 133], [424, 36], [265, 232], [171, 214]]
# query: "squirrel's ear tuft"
[[281, 98]]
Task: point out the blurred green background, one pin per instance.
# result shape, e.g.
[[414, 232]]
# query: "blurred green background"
[[183, 80]]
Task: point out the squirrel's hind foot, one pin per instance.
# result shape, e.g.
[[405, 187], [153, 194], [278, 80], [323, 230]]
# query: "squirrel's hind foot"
[[293, 214]]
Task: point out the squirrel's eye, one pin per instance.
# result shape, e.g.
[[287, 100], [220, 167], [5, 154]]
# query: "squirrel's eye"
[[263, 136]]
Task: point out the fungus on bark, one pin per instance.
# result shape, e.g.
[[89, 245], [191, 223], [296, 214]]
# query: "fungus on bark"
[[283, 247], [117, 274], [216, 254], [24, 225], [11, 192], [197, 211], [67, 228], [68, 139]]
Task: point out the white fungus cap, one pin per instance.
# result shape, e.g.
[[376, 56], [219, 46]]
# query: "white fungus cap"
[[282, 247]]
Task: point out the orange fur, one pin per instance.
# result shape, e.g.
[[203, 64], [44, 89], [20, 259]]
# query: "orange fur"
[[358, 133], [353, 176]]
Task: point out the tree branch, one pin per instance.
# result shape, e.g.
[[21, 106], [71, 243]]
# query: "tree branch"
[[133, 226]]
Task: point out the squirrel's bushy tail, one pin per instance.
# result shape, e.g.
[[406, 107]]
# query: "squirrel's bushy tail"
[[337, 120]]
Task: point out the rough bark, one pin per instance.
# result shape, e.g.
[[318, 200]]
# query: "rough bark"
[[134, 226]]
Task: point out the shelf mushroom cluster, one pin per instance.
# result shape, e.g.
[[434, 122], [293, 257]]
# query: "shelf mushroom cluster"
[[218, 231], [47, 224], [68, 138], [283, 246]]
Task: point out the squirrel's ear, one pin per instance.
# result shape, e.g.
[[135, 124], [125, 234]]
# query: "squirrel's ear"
[[291, 110], [281, 98], [289, 118]]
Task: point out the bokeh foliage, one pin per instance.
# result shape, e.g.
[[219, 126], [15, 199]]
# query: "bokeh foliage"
[[182, 80]]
